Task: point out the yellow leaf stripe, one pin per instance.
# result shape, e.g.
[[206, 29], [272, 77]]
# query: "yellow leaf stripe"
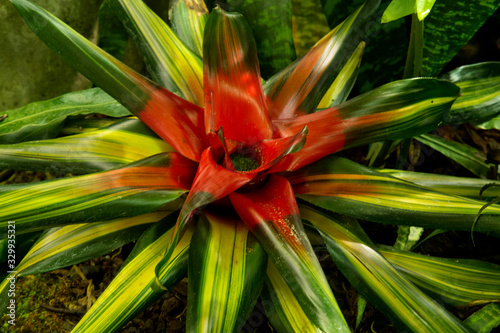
[[130, 291], [286, 307], [188, 22], [174, 65], [105, 146], [461, 282], [340, 88], [413, 308], [466, 187], [475, 92]]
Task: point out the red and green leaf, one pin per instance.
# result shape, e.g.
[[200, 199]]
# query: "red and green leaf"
[[135, 189], [298, 89], [211, 182], [348, 188], [272, 215], [234, 99], [396, 110], [226, 269], [174, 119]]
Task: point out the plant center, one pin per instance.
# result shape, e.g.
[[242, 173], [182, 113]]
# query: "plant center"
[[243, 162]]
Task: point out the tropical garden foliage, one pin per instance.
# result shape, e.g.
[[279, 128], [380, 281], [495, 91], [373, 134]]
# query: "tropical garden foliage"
[[220, 163]]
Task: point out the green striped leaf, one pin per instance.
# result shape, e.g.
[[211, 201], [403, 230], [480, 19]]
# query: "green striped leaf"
[[272, 215], [43, 120], [188, 19], [69, 245], [378, 281], [479, 93], [342, 86], [485, 319], [226, 270], [170, 62], [453, 281], [121, 143], [299, 88], [348, 188], [282, 308], [276, 49], [470, 158], [461, 186], [138, 188], [130, 291]]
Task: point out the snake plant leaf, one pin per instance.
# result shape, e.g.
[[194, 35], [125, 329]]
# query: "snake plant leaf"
[[479, 93], [188, 19], [211, 182], [130, 291], [271, 213], [298, 89], [449, 27], [379, 282], [348, 188], [112, 38], [396, 110], [465, 155], [65, 246], [234, 98], [453, 281], [226, 270], [138, 188], [271, 23], [170, 62], [282, 308], [123, 142], [43, 120], [174, 119], [484, 320], [344, 82], [461, 186], [309, 25]]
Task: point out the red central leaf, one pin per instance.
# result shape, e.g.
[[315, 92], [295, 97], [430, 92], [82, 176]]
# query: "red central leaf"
[[326, 136], [234, 99]]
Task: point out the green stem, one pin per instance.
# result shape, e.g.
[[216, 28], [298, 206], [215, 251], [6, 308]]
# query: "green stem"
[[413, 67]]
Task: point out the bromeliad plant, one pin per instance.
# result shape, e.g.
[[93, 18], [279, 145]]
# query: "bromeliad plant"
[[212, 190]]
